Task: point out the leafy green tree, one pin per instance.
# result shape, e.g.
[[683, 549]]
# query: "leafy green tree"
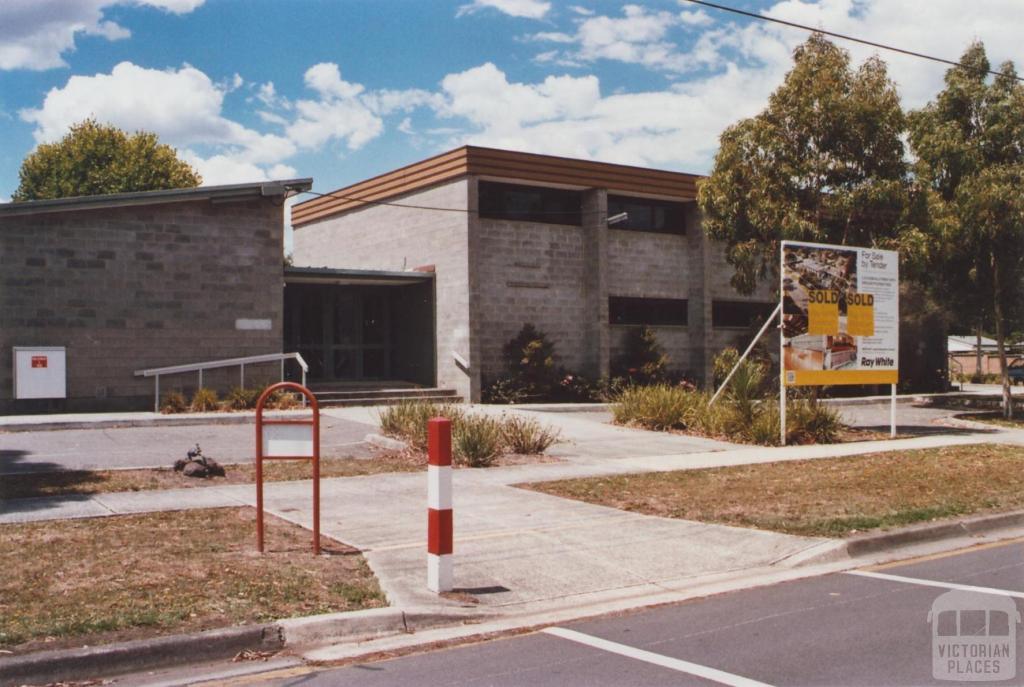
[[823, 162], [969, 144], [94, 159]]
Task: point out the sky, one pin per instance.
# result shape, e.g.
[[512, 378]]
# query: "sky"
[[341, 90]]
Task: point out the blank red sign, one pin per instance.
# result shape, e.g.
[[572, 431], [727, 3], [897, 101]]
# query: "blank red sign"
[[39, 361]]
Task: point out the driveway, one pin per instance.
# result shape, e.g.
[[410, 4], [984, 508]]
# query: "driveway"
[[130, 447]]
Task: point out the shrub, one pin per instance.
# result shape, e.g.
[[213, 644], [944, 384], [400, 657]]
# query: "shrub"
[[809, 422], [282, 400], [531, 372], [204, 400], [505, 391], [764, 428], [643, 360], [408, 420], [173, 402], [476, 440], [657, 407], [240, 398], [526, 435]]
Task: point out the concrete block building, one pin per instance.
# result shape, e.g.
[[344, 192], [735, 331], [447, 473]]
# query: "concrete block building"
[[140, 280], [432, 268]]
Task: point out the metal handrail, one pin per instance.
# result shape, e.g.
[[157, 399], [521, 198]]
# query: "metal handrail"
[[155, 372]]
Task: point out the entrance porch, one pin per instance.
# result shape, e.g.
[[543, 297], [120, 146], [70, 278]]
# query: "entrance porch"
[[360, 329]]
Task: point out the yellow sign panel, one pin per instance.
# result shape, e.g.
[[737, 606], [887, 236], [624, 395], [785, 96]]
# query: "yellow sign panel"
[[860, 320], [823, 313], [826, 377]]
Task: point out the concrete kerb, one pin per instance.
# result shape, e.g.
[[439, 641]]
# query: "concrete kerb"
[[645, 596], [142, 654], [297, 634], [386, 443]]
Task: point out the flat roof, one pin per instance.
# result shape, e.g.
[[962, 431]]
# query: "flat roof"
[[266, 189], [331, 275], [498, 164]]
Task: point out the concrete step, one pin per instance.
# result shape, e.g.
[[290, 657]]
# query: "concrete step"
[[386, 385], [445, 397], [382, 393]]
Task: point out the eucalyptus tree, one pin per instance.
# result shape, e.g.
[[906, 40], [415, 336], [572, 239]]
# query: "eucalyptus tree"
[[824, 161], [969, 145]]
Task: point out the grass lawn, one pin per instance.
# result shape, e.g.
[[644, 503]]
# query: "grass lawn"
[[68, 582], [68, 482], [828, 497]]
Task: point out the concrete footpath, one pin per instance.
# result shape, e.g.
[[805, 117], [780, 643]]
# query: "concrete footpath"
[[519, 553], [516, 550]]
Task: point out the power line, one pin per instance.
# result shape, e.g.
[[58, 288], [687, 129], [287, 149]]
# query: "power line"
[[911, 53]]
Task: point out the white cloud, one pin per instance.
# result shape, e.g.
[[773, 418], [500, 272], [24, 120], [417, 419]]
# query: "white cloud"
[[743, 61], [183, 106], [569, 116], [639, 36], [530, 9], [344, 111], [34, 34], [696, 18]]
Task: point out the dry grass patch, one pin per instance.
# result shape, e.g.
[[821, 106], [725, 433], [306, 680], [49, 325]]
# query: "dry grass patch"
[[107, 579], [69, 482], [828, 497]]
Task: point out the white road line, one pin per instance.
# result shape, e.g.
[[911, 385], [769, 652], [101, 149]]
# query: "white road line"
[[656, 659], [934, 583]]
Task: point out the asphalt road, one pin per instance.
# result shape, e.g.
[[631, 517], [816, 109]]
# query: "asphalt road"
[[87, 449], [910, 419], [843, 629]]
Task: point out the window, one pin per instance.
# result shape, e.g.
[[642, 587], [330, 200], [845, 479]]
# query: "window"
[[644, 214], [530, 203], [651, 311], [739, 314]]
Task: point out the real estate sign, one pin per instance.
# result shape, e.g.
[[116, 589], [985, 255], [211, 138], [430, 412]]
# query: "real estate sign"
[[840, 315]]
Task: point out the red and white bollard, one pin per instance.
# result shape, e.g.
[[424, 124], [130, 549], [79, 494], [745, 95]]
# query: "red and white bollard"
[[440, 576]]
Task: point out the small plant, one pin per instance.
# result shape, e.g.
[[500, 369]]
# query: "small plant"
[[173, 402], [643, 360], [240, 398], [526, 435], [808, 422], [764, 428], [504, 391], [477, 441], [408, 420], [657, 407], [530, 368], [204, 400], [282, 400]]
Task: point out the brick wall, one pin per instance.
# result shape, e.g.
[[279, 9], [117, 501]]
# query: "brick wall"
[[531, 272], [386, 237], [131, 288]]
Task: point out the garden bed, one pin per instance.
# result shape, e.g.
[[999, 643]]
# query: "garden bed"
[[69, 482], [100, 580], [831, 497]]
